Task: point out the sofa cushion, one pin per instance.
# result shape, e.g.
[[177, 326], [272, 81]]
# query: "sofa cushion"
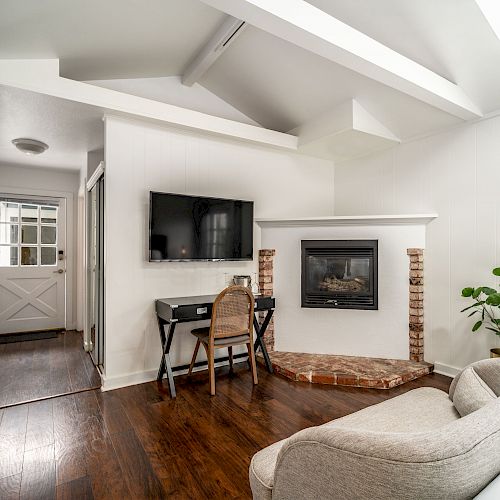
[[487, 369], [471, 392], [418, 410], [262, 469]]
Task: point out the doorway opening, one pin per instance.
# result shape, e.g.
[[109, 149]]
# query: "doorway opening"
[[39, 358]]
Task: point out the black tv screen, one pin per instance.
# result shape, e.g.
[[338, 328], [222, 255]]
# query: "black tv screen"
[[198, 228]]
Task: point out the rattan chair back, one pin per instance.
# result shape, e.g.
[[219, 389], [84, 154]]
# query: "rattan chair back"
[[232, 313]]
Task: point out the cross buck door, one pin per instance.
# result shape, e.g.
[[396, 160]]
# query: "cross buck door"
[[32, 264]]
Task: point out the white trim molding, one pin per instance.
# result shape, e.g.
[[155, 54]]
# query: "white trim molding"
[[442, 369], [349, 220]]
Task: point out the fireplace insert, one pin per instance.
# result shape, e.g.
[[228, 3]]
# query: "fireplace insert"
[[340, 274]]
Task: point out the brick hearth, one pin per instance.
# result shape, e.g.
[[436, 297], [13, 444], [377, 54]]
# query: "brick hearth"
[[376, 373], [347, 370]]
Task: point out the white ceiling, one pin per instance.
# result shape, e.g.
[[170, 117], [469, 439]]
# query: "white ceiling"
[[96, 39], [450, 37], [69, 128], [282, 86], [271, 81]]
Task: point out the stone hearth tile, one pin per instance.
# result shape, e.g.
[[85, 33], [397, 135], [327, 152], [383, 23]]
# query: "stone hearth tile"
[[346, 379], [352, 371], [323, 377]]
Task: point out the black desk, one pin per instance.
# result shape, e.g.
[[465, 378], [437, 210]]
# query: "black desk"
[[187, 309]]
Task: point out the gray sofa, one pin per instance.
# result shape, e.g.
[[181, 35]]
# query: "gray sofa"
[[414, 446]]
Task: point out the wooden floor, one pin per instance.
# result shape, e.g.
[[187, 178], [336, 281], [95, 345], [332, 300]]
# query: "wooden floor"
[[136, 443], [43, 368]]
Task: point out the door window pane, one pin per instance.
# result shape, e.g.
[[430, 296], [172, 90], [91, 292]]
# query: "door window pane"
[[29, 234], [9, 233], [48, 256], [29, 213], [9, 212], [48, 215], [8, 256], [29, 256], [48, 235]]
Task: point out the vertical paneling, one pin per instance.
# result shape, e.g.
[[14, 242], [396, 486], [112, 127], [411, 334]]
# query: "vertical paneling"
[[457, 175], [142, 157]]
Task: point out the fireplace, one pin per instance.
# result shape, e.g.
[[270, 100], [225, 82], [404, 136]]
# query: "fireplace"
[[340, 274]]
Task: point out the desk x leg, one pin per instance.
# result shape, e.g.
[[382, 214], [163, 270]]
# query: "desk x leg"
[[165, 365], [259, 341]]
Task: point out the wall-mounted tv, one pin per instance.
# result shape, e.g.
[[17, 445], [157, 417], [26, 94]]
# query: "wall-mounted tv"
[[183, 228]]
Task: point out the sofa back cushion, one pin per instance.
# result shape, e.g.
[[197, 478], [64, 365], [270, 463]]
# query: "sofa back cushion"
[[471, 392], [487, 369]]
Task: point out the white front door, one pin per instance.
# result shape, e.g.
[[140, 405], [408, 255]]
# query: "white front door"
[[32, 270]]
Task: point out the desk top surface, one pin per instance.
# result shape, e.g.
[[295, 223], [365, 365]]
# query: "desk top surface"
[[197, 299]]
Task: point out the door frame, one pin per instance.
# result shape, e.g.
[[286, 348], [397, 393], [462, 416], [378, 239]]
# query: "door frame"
[[88, 185], [67, 198]]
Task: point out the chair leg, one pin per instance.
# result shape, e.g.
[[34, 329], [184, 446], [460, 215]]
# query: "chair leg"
[[251, 356], [211, 369], [230, 355], [195, 353]]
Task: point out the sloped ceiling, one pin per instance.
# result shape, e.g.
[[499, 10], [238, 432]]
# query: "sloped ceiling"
[[282, 86], [260, 76], [97, 39]]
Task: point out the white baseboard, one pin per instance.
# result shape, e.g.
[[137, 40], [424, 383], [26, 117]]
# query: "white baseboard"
[[111, 383], [442, 369]]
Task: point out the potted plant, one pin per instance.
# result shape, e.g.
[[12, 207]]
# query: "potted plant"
[[486, 307]]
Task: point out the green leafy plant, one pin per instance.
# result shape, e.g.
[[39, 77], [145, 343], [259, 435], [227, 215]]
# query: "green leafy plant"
[[486, 302]]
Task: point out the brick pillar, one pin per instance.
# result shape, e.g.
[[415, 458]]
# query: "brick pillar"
[[416, 296], [266, 259]]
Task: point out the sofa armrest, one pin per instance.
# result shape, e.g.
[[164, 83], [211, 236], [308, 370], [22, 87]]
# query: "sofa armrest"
[[454, 462]]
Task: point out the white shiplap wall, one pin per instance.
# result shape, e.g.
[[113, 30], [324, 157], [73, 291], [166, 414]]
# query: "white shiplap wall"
[[141, 157], [457, 175]]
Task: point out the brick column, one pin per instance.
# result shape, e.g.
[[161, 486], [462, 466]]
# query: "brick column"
[[416, 296], [266, 259]]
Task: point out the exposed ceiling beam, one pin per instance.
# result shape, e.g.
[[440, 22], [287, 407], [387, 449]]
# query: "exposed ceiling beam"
[[491, 11], [42, 76], [308, 27], [229, 30]]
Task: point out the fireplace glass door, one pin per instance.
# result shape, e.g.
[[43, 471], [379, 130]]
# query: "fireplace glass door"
[[339, 274]]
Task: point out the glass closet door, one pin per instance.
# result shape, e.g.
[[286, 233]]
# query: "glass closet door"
[[96, 271]]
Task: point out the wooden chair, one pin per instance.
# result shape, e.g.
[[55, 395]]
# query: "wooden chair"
[[231, 324]]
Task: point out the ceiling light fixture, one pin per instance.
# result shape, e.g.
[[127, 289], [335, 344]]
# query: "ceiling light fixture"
[[30, 146]]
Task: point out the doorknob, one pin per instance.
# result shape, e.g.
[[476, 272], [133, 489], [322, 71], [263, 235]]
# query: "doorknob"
[[59, 271]]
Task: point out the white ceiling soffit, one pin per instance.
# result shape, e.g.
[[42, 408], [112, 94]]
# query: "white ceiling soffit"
[[304, 25], [491, 11], [42, 76], [346, 132], [227, 33]]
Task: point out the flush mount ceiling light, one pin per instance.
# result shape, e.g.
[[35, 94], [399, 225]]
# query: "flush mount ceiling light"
[[30, 146]]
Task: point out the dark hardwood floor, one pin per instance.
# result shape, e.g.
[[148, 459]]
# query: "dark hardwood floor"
[[136, 443], [45, 368]]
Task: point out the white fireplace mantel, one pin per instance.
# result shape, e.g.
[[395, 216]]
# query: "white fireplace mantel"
[[349, 220]]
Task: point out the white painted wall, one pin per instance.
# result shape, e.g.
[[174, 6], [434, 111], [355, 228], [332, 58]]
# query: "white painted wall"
[[56, 182], [456, 174], [141, 157], [381, 333]]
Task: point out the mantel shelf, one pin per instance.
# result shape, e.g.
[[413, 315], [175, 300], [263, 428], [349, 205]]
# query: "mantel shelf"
[[349, 220]]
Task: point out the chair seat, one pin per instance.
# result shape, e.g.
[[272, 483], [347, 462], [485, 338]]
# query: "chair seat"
[[203, 334]]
